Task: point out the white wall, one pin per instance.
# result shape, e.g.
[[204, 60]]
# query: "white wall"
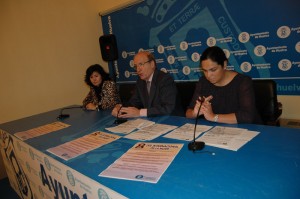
[[45, 48], [290, 106]]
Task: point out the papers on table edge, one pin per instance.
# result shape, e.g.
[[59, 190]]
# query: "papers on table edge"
[[82, 145], [41, 130]]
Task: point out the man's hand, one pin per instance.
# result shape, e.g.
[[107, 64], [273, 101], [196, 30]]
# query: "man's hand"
[[129, 112]]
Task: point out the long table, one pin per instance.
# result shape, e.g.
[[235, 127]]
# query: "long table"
[[266, 167]]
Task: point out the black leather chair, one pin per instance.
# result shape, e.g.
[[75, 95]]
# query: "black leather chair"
[[186, 91], [266, 101], [126, 90]]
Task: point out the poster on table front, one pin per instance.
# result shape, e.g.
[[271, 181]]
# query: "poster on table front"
[[260, 38]]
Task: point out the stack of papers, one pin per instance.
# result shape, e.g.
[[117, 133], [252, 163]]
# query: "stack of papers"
[[227, 137]]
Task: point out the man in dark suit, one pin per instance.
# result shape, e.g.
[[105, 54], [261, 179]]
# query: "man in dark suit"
[[161, 98]]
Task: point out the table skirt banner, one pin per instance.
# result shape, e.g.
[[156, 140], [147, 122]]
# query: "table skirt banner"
[[33, 174]]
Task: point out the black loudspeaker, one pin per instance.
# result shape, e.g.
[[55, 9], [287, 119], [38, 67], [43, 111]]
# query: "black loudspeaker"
[[108, 46]]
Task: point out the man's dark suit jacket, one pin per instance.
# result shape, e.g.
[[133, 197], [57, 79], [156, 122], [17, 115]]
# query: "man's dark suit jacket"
[[163, 98]]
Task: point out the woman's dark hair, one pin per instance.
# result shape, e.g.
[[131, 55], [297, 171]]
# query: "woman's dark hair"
[[95, 68], [214, 53]]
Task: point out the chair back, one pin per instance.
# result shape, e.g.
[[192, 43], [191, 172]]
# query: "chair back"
[[126, 90], [266, 101], [186, 91]]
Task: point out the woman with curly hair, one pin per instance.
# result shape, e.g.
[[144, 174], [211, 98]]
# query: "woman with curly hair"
[[103, 92]]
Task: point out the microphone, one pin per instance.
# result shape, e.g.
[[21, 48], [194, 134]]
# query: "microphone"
[[64, 116], [120, 120], [197, 145]]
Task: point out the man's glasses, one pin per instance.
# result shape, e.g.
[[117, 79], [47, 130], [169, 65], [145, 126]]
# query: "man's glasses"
[[141, 64]]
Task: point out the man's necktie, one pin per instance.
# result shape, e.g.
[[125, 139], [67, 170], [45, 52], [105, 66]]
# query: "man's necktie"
[[148, 86]]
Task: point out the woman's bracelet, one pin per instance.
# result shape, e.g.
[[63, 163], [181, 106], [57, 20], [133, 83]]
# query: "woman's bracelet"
[[216, 118]]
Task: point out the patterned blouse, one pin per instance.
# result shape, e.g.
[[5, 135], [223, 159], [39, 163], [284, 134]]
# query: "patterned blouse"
[[109, 96]]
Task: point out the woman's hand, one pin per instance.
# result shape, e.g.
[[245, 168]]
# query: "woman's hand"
[[116, 110], [204, 102], [206, 109], [91, 106], [199, 101]]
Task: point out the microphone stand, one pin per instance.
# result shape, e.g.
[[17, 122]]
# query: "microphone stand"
[[197, 145], [63, 116]]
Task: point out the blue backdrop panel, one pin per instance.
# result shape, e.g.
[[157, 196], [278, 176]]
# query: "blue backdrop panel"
[[261, 38]]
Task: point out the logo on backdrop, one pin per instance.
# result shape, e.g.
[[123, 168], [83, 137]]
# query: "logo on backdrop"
[[283, 32], [186, 70], [284, 64], [184, 45], [244, 37], [211, 41], [246, 67], [260, 50]]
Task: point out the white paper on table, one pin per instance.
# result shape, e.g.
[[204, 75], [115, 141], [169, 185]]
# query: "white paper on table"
[[243, 139], [138, 123], [186, 132], [150, 132], [82, 145], [227, 137], [121, 129], [130, 126], [143, 162], [41, 130]]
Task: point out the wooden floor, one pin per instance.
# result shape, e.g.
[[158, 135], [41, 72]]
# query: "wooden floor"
[[6, 192]]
